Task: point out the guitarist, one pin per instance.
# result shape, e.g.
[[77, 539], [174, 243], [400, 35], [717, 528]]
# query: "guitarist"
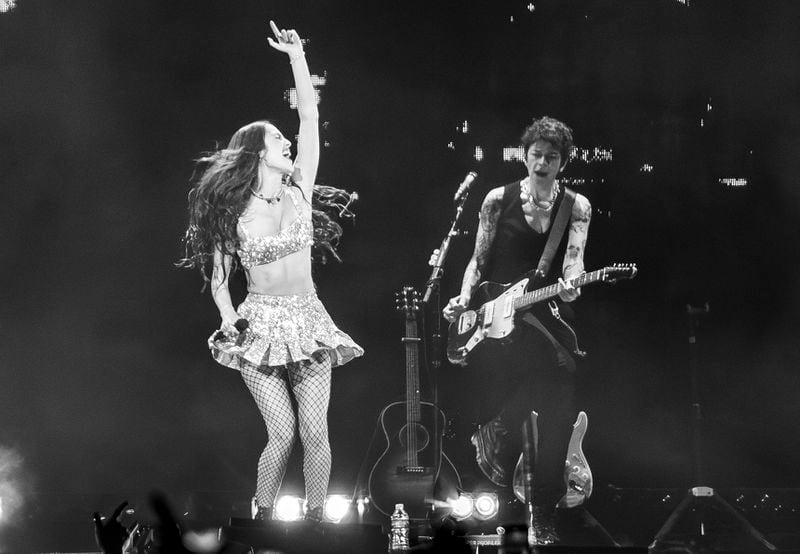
[[535, 371]]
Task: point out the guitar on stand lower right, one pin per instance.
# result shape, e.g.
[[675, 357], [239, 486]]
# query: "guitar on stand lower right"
[[577, 473]]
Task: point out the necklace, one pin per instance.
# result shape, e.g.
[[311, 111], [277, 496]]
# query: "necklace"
[[270, 199], [533, 200]]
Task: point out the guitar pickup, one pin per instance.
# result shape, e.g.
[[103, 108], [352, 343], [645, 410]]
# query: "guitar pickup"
[[577, 487], [508, 306], [488, 314]]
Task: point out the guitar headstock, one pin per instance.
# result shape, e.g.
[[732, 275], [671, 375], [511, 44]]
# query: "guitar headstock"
[[616, 272], [407, 301]]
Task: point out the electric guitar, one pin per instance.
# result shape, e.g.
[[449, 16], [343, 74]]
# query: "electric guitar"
[[499, 304], [412, 468], [577, 473]]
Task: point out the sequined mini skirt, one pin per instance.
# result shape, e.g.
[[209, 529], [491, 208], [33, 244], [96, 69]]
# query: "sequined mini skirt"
[[281, 330]]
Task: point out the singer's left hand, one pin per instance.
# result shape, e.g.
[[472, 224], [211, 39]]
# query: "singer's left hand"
[[434, 258], [566, 291], [286, 41]]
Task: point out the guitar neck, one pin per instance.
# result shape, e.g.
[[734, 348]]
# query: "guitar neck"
[[413, 415], [546, 293]]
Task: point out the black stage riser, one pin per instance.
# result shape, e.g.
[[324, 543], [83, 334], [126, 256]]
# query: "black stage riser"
[[301, 536]]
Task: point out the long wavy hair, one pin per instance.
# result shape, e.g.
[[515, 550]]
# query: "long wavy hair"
[[228, 176]]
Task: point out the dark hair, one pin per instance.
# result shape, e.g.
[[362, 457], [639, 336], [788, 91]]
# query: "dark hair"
[[553, 131], [220, 196]]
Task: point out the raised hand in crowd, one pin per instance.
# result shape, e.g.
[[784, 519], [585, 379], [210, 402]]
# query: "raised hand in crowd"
[[109, 533]]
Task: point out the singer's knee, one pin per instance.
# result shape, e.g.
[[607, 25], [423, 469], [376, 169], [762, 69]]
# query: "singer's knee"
[[281, 439], [315, 439]]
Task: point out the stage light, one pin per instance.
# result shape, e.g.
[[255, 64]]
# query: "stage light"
[[206, 540], [289, 508], [336, 507], [486, 505], [463, 506], [7, 5], [361, 507], [12, 479]]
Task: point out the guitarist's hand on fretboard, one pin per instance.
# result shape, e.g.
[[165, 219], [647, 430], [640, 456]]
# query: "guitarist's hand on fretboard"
[[566, 291]]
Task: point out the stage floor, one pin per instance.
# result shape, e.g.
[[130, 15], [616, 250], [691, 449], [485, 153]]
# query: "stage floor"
[[58, 522]]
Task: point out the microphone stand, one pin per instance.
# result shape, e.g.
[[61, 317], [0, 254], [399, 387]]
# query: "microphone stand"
[[433, 291], [704, 521]]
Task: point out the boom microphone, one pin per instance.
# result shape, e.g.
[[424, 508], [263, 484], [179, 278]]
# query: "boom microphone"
[[463, 188]]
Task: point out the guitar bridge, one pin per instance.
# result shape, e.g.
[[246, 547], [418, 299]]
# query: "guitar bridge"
[[466, 322], [414, 470]]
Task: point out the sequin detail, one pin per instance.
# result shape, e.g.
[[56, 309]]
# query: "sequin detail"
[[284, 329], [297, 235]]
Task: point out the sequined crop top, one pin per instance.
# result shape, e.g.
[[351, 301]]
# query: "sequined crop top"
[[297, 235]]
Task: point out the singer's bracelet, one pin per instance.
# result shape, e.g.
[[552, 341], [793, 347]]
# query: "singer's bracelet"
[[293, 59]]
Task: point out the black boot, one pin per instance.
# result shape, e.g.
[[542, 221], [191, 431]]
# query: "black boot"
[[490, 449], [263, 514], [314, 515]]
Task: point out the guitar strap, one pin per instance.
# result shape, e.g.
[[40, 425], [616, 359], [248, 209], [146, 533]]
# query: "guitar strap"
[[563, 356], [556, 232]]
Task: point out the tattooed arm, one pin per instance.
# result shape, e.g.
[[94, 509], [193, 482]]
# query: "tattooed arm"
[[487, 225], [576, 245]]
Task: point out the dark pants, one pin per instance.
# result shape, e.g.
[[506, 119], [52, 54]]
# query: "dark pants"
[[528, 374]]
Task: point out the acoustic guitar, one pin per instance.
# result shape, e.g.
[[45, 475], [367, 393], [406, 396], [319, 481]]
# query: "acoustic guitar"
[[412, 468]]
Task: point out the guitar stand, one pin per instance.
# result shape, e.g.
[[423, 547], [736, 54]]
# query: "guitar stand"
[[530, 453], [704, 521]]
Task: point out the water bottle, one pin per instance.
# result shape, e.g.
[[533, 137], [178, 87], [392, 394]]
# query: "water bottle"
[[400, 524]]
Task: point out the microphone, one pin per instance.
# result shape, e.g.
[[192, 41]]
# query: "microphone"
[[241, 325], [463, 188], [344, 210]]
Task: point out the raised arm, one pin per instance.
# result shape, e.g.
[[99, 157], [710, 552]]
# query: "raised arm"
[[476, 268], [576, 245], [307, 160]]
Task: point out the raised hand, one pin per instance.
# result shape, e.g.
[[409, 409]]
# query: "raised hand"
[[287, 41], [110, 534]]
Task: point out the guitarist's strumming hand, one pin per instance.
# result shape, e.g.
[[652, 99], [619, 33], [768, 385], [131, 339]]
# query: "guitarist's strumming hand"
[[455, 307], [566, 291]]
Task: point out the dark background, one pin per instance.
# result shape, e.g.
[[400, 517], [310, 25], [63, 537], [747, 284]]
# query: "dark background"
[[106, 380]]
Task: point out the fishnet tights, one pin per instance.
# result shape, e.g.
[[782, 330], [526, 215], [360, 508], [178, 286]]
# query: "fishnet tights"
[[310, 383]]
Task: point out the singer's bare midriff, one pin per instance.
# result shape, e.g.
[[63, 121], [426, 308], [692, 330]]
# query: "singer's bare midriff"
[[288, 275]]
